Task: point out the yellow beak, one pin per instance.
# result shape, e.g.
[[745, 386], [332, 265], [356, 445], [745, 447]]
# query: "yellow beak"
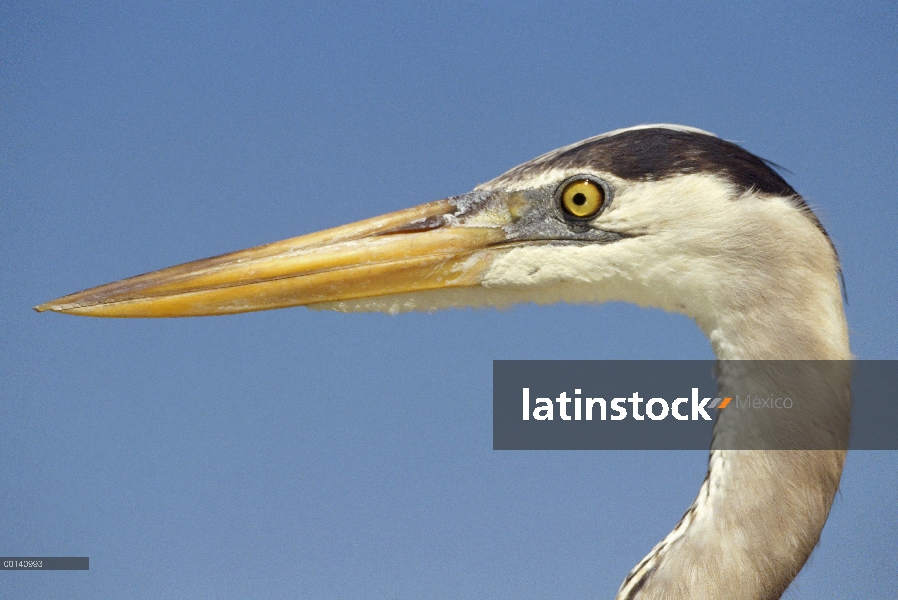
[[422, 248]]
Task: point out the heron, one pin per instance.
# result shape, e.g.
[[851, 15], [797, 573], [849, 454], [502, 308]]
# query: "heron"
[[664, 216]]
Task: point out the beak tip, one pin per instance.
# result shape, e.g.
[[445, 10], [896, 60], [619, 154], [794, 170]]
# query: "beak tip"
[[51, 306]]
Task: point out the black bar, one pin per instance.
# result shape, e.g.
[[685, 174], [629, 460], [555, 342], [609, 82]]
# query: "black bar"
[[44, 563]]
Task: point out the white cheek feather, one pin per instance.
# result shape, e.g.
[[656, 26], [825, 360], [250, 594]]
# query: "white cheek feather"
[[657, 265]]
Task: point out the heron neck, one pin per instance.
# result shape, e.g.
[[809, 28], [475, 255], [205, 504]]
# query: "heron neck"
[[759, 513], [797, 318]]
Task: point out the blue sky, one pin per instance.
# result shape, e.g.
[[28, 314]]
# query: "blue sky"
[[302, 454]]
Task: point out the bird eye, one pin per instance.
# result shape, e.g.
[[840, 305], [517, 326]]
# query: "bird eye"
[[582, 198]]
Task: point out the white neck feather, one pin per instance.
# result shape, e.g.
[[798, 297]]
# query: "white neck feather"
[[759, 514]]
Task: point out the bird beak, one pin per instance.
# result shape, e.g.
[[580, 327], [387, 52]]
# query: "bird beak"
[[435, 245]]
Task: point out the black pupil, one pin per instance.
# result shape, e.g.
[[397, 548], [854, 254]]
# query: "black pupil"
[[579, 199]]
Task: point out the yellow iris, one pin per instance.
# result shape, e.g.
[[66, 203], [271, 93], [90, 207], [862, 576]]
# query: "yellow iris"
[[582, 198]]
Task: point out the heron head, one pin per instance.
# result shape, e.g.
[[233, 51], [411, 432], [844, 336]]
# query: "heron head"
[[657, 215]]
